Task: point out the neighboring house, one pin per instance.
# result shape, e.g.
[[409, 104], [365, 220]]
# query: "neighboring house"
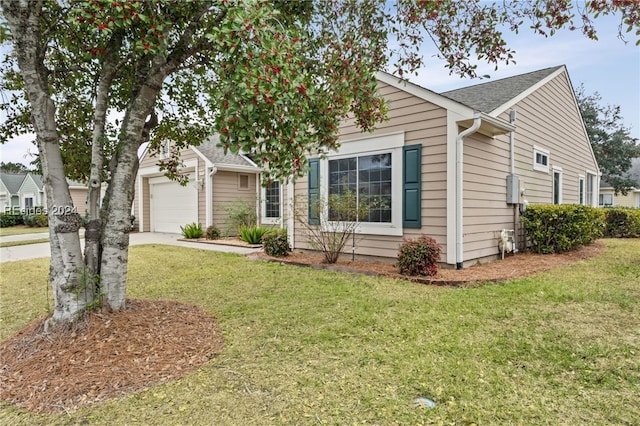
[[608, 196], [10, 184], [23, 191], [216, 182], [445, 160]]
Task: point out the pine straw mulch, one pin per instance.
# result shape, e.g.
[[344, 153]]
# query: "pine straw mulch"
[[104, 356], [521, 264]]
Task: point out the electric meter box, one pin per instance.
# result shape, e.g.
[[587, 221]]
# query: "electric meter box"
[[513, 189]]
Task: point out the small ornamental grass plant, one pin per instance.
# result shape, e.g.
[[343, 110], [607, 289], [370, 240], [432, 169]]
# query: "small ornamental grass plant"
[[192, 230], [253, 234], [419, 256], [276, 243]]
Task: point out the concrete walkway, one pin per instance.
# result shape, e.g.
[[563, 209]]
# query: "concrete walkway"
[[34, 251]]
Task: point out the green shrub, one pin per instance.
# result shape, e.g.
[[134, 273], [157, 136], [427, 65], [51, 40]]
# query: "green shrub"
[[42, 220], [253, 234], [559, 228], [276, 244], [419, 257], [213, 233], [192, 230], [239, 214], [29, 220], [7, 220], [622, 222]]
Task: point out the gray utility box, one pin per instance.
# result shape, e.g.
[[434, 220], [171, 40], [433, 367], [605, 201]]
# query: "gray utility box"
[[513, 189]]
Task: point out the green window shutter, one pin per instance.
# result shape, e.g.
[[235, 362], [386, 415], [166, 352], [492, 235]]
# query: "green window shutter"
[[411, 186], [314, 191]]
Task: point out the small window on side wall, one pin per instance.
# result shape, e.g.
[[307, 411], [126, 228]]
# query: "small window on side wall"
[[243, 181], [540, 159]]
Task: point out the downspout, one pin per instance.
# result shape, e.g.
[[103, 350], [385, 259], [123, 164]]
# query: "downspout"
[[290, 214], [209, 183], [512, 155], [459, 188]]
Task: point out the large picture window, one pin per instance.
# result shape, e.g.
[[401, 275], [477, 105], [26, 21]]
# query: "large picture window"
[[368, 178], [371, 170]]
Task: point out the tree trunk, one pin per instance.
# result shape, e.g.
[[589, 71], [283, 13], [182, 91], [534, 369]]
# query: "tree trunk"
[[93, 225], [68, 280], [115, 239]]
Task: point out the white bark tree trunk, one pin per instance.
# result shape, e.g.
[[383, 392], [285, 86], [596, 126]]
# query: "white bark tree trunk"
[[68, 280]]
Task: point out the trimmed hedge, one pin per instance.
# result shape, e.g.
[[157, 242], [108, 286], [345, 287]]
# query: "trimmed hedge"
[[558, 228], [621, 222], [10, 219]]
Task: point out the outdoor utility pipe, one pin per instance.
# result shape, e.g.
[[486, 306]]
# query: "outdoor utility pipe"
[[459, 189]]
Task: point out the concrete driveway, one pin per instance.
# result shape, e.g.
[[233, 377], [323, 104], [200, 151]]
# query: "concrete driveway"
[[34, 251]]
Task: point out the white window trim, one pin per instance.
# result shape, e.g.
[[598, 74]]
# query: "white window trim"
[[558, 170], [582, 180], [384, 144], [24, 200], [269, 220], [536, 165], [606, 205]]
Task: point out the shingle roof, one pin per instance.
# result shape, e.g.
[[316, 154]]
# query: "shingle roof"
[[216, 154], [12, 181], [486, 97]]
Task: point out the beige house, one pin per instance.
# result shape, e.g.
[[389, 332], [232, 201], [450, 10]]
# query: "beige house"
[[460, 166], [216, 181]]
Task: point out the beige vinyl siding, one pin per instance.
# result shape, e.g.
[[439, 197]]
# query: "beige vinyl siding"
[[549, 119], [79, 197], [632, 199], [486, 213], [146, 204], [226, 193], [422, 123]]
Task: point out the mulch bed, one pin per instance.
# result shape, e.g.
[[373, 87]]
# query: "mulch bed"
[[103, 356], [513, 266]]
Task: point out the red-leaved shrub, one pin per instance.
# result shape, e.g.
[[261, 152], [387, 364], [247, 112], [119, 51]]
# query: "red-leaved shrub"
[[419, 257]]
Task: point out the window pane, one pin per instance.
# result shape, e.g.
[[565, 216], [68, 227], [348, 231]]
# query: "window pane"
[[368, 177], [272, 200]]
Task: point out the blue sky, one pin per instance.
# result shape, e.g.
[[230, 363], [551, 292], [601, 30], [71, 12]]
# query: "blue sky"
[[607, 66]]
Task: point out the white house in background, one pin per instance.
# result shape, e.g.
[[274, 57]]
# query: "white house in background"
[[23, 191]]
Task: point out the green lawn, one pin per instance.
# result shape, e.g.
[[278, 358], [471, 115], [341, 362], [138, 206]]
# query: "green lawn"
[[319, 347], [23, 243], [19, 230]]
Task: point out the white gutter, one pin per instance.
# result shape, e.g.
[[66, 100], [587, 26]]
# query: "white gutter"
[[290, 214], [209, 196], [459, 188]]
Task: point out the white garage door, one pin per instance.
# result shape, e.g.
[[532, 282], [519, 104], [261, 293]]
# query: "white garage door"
[[172, 205]]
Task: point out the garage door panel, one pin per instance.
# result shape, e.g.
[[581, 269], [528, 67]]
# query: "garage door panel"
[[172, 206]]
